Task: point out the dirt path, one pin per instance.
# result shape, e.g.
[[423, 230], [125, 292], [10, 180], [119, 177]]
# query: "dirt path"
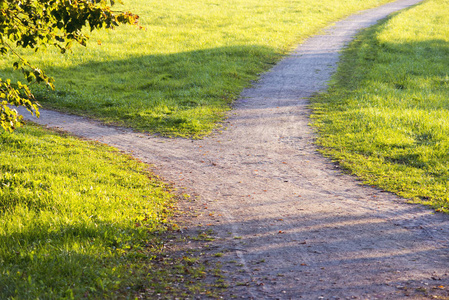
[[303, 228]]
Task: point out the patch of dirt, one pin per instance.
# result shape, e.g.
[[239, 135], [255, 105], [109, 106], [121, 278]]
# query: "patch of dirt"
[[289, 223]]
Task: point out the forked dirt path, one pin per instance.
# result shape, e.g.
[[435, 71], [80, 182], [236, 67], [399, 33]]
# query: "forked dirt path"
[[295, 225]]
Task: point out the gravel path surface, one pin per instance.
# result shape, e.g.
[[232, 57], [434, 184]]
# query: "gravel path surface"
[[296, 225]]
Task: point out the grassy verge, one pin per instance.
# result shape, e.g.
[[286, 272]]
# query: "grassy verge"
[[181, 73], [78, 219], [386, 116]]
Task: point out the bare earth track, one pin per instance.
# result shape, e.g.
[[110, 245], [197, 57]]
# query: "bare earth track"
[[296, 225]]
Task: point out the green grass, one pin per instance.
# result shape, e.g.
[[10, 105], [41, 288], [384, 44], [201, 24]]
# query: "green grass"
[[80, 220], [181, 73], [77, 219], [386, 116]]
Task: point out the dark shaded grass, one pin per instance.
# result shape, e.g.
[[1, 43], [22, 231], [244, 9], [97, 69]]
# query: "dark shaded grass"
[[176, 94]]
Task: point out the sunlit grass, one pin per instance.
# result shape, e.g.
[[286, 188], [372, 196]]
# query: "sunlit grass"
[[76, 218], [386, 117], [181, 73]]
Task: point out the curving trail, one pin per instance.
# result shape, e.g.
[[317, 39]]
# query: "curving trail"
[[307, 230]]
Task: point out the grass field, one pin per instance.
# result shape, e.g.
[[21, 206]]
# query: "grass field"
[[181, 73], [386, 116], [75, 216]]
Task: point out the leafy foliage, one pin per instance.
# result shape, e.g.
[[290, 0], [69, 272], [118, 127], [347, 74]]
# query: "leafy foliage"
[[37, 24]]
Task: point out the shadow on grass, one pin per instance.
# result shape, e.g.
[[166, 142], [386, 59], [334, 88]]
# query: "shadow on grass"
[[173, 94], [77, 260]]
